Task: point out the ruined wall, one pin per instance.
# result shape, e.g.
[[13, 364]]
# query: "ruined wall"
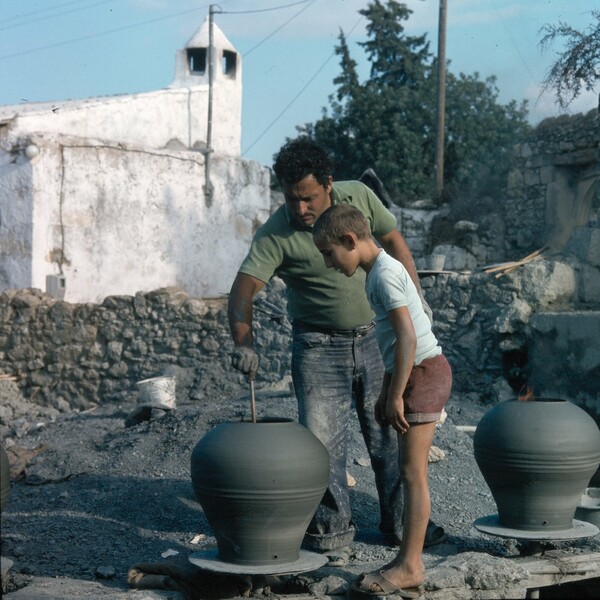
[[553, 187], [551, 190], [74, 356], [77, 355]]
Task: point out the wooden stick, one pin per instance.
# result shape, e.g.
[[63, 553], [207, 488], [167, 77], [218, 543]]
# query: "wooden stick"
[[523, 261], [509, 266], [501, 267], [252, 399]]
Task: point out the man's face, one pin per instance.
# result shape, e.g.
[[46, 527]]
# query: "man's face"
[[307, 199], [340, 257]]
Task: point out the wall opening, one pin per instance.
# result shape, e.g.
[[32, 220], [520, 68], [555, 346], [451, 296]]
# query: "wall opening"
[[229, 63], [514, 363], [197, 60]]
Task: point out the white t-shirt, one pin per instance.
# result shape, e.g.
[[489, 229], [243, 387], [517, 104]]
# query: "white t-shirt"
[[389, 286]]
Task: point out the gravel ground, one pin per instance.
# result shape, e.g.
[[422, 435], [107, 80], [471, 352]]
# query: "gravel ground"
[[100, 496]]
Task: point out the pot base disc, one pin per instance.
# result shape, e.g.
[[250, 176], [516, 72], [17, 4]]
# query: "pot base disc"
[[209, 561], [491, 525]]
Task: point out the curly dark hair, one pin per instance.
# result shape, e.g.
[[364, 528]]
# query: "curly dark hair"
[[301, 157]]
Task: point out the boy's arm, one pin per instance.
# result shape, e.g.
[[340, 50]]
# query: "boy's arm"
[[404, 360]]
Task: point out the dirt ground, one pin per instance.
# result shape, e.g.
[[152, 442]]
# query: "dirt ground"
[[100, 496]]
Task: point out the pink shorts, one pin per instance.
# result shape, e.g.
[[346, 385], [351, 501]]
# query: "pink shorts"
[[427, 390]]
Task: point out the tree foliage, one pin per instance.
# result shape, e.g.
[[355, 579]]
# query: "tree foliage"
[[388, 122], [578, 66]]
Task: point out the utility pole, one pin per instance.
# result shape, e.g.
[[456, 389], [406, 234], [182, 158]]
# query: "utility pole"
[[441, 102], [208, 188]]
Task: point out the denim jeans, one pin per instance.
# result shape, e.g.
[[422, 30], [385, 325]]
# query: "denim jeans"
[[331, 373]]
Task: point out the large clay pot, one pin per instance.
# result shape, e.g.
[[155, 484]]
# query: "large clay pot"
[[259, 485], [537, 457]]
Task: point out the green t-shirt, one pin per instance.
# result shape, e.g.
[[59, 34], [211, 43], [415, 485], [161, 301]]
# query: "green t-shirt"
[[316, 294]]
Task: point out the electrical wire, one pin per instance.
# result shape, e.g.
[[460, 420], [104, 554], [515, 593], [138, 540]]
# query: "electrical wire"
[[41, 10], [307, 3], [310, 3], [102, 33], [533, 78], [47, 17], [260, 10], [293, 100]]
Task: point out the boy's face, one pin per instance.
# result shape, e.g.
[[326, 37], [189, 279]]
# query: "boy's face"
[[341, 257]]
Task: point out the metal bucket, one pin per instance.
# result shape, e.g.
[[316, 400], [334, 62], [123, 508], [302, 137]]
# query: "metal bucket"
[[158, 392]]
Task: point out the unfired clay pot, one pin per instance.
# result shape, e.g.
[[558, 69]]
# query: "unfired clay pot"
[[259, 485], [537, 457]]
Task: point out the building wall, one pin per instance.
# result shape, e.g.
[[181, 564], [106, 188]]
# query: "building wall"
[[116, 219], [174, 117]]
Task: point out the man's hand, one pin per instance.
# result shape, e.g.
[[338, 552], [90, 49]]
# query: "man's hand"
[[245, 359]]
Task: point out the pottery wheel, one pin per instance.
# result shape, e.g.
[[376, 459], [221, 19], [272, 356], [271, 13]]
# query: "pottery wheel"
[[491, 525], [209, 561]]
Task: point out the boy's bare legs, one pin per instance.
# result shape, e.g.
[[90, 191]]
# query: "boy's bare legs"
[[406, 570]]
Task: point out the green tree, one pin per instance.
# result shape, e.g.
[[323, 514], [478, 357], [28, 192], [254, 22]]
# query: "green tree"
[[578, 66], [389, 121]]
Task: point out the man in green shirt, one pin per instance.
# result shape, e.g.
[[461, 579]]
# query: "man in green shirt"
[[335, 357]]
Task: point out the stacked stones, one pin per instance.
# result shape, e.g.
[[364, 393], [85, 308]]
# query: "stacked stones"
[[75, 356]]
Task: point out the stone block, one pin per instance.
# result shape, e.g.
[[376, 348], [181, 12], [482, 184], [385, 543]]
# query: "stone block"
[[564, 354], [589, 285], [584, 243], [548, 283]]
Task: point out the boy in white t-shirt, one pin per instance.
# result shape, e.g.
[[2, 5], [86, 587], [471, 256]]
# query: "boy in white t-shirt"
[[416, 386]]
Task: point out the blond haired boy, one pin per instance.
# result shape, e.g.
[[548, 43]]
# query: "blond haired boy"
[[416, 385]]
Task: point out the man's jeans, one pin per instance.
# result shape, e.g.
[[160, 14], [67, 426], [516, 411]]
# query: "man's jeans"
[[329, 371]]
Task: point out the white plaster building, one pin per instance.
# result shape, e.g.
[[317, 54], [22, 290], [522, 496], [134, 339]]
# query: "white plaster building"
[[107, 196]]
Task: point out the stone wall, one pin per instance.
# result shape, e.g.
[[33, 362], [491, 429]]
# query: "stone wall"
[[551, 190], [553, 187], [75, 356], [78, 355]]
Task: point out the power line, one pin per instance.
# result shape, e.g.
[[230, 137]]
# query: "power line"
[[310, 3], [518, 51], [293, 100], [259, 10], [102, 33], [46, 18], [39, 10]]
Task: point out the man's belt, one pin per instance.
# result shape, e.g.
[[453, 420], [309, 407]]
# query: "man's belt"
[[351, 333]]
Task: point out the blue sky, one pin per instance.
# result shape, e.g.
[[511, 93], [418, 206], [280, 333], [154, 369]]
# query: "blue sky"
[[61, 49]]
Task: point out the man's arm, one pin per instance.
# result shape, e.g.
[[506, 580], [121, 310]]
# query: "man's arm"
[[239, 308], [239, 312], [395, 245]]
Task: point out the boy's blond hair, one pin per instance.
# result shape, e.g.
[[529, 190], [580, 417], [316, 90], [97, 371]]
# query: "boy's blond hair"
[[338, 220]]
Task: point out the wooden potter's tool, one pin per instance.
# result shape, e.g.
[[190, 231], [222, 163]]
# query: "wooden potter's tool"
[[252, 396]]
